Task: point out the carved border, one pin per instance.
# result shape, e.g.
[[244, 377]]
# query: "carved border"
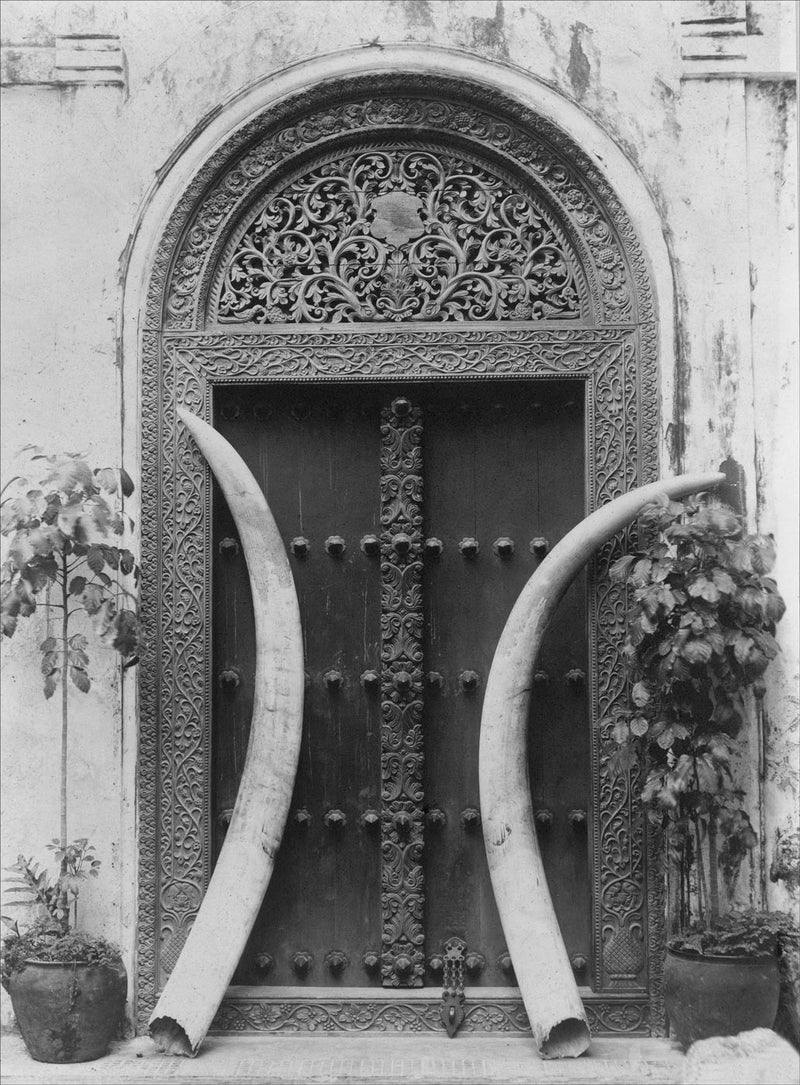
[[603, 358], [619, 366], [607, 1017]]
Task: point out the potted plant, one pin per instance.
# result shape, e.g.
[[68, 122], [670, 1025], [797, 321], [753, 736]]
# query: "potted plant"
[[64, 556], [700, 635]]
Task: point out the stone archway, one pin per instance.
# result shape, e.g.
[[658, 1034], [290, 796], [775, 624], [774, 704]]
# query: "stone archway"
[[194, 342]]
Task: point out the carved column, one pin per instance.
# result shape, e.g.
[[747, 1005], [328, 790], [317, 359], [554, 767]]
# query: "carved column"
[[402, 758]]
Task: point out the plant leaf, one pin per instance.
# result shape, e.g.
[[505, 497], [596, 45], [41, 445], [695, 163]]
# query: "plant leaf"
[[80, 678]]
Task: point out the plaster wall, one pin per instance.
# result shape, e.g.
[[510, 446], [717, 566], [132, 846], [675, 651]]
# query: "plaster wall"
[[92, 163]]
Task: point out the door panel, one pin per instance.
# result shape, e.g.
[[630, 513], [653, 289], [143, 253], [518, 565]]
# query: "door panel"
[[317, 459], [500, 459]]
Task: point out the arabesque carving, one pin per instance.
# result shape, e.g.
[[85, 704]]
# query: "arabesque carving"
[[399, 235], [330, 1015]]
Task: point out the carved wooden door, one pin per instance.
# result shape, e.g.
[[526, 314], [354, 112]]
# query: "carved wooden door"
[[375, 241], [413, 514]]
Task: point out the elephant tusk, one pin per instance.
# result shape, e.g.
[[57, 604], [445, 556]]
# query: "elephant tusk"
[[217, 939], [545, 978]]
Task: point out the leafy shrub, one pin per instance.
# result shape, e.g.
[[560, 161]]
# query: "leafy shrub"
[[41, 943], [700, 635]]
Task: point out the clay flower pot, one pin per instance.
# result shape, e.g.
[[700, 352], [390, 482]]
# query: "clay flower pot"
[[719, 996], [66, 1011]]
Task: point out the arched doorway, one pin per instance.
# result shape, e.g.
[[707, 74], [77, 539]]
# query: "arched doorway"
[[362, 247]]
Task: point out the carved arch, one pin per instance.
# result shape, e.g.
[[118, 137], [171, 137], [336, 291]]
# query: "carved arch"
[[611, 348]]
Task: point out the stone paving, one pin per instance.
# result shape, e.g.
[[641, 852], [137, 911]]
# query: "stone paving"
[[753, 1058], [366, 1060]]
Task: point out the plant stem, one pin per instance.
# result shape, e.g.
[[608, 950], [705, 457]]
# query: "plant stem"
[[713, 883], [702, 895], [64, 705]]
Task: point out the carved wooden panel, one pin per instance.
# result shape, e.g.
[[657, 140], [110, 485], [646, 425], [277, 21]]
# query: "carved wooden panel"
[[402, 758], [609, 349], [400, 234]]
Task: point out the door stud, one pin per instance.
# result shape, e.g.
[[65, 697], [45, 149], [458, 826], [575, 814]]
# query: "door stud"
[[503, 547], [335, 819], [300, 546], [436, 817], [370, 960], [469, 680], [302, 818], [370, 544], [403, 822], [543, 818], [505, 964], [336, 961], [230, 679], [370, 680], [539, 546], [403, 682], [475, 963], [302, 962], [401, 544], [469, 547], [403, 966], [370, 818], [470, 818], [433, 546], [264, 963], [335, 545], [577, 818], [576, 680], [333, 679], [229, 548]]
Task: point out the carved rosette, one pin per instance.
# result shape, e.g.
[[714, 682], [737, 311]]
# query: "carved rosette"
[[402, 758]]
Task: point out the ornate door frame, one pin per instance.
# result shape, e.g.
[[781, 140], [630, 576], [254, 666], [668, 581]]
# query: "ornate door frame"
[[612, 355]]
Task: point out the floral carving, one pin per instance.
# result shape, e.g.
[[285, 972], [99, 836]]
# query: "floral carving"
[[399, 235], [323, 1016], [402, 758]]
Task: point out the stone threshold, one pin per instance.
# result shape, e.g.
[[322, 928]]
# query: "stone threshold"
[[252, 1059]]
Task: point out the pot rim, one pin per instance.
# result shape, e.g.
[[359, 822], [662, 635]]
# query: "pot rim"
[[713, 958]]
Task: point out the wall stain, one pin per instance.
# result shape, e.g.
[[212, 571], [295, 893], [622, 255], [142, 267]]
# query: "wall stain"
[[667, 98], [579, 69], [490, 34], [725, 358], [415, 12]]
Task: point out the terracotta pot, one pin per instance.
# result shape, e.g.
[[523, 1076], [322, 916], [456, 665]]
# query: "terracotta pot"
[[68, 1012], [719, 996]]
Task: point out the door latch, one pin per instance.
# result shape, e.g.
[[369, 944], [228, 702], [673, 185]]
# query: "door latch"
[[452, 1008]]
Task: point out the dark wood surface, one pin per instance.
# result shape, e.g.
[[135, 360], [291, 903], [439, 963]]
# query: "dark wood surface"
[[501, 459]]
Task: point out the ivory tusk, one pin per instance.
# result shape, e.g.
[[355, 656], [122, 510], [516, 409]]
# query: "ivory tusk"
[[537, 950], [217, 939]]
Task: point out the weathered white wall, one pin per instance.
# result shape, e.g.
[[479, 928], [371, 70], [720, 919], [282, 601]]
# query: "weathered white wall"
[[708, 140]]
